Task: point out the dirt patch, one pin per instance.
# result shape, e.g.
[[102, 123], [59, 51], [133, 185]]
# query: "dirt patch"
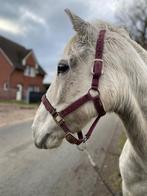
[[15, 113]]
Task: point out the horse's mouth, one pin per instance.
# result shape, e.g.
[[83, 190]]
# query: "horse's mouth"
[[49, 141]]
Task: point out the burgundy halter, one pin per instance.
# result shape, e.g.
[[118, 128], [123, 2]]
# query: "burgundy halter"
[[59, 116]]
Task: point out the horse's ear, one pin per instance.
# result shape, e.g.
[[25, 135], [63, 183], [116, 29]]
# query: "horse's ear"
[[79, 25]]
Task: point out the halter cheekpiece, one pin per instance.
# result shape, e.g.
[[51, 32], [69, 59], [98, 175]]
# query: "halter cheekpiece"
[[59, 116]]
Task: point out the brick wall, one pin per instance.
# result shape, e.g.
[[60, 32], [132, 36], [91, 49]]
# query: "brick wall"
[[5, 69], [7, 94], [18, 77]]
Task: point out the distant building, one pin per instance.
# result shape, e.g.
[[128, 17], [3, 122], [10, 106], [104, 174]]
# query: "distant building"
[[20, 72]]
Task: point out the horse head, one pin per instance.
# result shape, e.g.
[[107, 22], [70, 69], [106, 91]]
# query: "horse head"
[[73, 79]]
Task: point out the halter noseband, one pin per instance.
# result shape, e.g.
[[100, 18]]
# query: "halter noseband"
[[59, 116]]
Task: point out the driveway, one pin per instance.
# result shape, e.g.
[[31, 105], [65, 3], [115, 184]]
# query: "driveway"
[[27, 171], [12, 113]]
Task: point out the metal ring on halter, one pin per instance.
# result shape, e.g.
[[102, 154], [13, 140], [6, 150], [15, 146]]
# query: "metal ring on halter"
[[94, 90], [101, 60], [58, 119]]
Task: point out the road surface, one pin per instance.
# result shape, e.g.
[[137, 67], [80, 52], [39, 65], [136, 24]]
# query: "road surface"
[[28, 171]]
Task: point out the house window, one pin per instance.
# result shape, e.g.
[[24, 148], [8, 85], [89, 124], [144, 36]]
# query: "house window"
[[30, 71], [5, 86], [34, 88]]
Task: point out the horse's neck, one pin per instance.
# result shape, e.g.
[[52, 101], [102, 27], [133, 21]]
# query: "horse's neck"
[[134, 110], [142, 89], [135, 124], [141, 51]]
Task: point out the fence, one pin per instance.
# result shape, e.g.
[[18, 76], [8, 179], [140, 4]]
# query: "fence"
[[28, 96], [8, 94]]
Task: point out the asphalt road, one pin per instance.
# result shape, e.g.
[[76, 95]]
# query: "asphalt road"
[[28, 171]]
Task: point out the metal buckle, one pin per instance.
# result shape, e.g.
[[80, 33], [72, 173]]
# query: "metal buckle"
[[102, 72], [70, 138], [58, 119], [99, 60]]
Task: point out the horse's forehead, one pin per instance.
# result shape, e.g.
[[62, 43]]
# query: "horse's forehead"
[[71, 44]]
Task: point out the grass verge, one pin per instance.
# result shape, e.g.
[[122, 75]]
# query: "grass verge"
[[19, 103]]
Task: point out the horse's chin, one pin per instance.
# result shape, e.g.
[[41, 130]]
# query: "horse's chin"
[[53, 142]]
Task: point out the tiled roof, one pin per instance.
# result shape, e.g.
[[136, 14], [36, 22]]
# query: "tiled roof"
[[16, 53]]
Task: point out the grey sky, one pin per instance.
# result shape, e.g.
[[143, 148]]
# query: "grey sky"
[[43, 26]]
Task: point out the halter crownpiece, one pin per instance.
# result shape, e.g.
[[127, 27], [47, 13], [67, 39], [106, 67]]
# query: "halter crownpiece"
[[59, 116]]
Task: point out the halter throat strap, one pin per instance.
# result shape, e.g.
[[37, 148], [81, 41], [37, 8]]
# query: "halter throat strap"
[[59, 116]]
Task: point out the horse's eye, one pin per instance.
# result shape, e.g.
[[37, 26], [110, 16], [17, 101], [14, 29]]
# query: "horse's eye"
[[62, 68]]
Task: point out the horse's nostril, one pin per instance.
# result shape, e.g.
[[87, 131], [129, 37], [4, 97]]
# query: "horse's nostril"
[[38, 145], [42, 143]]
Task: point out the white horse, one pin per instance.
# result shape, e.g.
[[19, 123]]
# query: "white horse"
[[123, 90]]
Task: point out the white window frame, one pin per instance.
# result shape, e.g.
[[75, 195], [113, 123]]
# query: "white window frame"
[[30, 71]]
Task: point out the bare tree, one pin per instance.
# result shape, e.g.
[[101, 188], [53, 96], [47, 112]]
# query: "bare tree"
[[133, 15]]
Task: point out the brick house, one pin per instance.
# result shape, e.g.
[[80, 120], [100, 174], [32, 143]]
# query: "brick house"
[[20, 72]]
